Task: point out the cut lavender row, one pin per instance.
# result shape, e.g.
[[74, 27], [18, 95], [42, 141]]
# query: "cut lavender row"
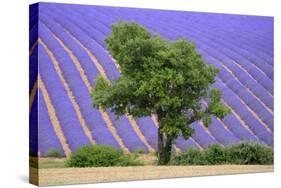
[[48, 138]]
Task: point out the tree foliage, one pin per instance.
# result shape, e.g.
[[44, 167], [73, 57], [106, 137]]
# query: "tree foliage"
[[166, 78]]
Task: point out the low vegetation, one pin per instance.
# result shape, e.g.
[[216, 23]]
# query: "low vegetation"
[[54, 153], [244, 153], [241, 154], [52, 164], [101, 156], [140, 151]]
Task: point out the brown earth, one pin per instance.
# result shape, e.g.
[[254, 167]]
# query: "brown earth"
[[58, 176]]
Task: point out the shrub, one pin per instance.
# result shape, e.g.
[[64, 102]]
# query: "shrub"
[[192, 156], [129, 160], [54, 153], [250, 153], [215, 154], [99, 155], [139, 151], [241, 153], [33, 163]]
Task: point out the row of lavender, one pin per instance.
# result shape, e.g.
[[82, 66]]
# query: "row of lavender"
[[247, 84]]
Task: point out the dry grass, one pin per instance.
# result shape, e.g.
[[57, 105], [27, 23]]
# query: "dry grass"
[[56, 176]]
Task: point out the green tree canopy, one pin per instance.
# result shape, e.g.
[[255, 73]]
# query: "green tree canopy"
[[166, 78]]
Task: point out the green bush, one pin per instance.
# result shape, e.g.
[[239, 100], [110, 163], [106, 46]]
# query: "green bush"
[[33, 163], [215, 154], [54, 153], [241, 153], [250, 153], [129, 160], [139, 151], [192, 156], [98, 156]]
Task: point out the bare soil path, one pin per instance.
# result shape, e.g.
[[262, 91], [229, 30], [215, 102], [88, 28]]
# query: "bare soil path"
[[59, 176]]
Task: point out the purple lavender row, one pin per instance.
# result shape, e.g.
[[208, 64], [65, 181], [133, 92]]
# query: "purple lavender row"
[[224, 37], [225, 74], [149, 130], [89, 29], [93, 117], [33, 128], [236, 51], [247, 37], [245, 114], [238, 129], [251, 83], [202, 137], [65, 112], [233, 52], [33, 35], [33, 114], [33, 68], [92, 45], [184, 145], [128, 135], [210, 22], [248, 98], [47, 136], [221, 134], [33, 15]]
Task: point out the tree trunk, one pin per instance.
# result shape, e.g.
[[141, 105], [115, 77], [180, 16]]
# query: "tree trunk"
[[164, 148]]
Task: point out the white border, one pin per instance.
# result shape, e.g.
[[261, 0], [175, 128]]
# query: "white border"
[[14, 90]]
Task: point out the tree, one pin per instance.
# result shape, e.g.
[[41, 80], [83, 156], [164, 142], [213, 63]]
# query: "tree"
[[166, 78]]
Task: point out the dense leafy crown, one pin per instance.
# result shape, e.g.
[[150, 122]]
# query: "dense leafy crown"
[[168, 78]]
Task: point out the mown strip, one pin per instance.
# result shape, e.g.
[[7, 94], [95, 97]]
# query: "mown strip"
[[32, 94], [32, 47], [53, 117]]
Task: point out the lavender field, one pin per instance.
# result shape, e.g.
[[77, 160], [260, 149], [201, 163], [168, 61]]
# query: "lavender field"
[[68, 51]]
